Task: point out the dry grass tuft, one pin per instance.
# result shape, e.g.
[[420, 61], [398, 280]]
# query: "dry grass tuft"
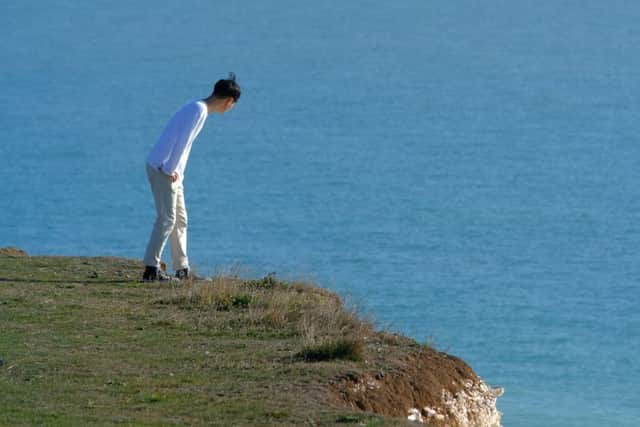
[[221, 293], [331, 331], [327, 329]]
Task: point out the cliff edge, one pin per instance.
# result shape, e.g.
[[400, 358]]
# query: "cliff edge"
[[82, 338]]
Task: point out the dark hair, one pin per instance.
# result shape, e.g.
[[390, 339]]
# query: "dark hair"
[[225, 88]]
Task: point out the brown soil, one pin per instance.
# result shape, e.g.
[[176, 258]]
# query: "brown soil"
[[414, 381], [13, 252]]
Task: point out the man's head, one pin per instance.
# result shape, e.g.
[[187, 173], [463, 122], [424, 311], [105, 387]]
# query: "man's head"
[[225, 94]]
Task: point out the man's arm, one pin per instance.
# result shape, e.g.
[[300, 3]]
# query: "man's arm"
[[184, 131]]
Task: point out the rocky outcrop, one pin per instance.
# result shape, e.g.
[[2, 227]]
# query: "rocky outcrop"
[[427, 387], [13, 252], [474, 406]]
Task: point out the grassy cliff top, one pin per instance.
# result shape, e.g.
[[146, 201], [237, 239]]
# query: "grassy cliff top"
[[82, 342]]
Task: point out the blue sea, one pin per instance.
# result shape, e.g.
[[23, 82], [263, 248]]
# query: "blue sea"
[[467, 173]]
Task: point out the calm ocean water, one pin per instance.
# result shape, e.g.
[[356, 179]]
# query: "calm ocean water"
[[467, 172]]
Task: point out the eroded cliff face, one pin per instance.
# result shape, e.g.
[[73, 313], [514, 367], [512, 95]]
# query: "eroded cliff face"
[[427, 387]]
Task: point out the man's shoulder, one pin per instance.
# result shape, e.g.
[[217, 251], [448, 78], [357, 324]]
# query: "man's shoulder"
[[196, 106], [192, 108]]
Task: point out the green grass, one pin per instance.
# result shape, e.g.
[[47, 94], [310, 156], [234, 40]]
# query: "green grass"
[[83, 343]]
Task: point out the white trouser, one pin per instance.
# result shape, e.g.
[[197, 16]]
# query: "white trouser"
[[171, 220]]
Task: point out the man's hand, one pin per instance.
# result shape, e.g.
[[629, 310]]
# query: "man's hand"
[[174, 177]]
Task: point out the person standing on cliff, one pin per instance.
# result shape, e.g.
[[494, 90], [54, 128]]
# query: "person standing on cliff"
[[166, 164]]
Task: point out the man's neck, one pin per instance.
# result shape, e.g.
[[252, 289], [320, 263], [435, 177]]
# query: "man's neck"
[[214, 105]]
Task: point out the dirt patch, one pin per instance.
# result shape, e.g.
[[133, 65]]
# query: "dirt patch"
[[13, 252], [418, 380]]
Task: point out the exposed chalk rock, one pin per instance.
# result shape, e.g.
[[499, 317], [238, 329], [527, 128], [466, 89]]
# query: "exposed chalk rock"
[[474, 406], [415, 416], [432, 413]]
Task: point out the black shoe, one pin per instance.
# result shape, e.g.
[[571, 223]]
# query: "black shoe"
[[154, 274], [186, 274], [183, 274]]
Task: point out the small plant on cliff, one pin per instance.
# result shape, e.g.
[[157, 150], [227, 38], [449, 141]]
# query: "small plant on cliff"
[[330, 331], [348, 348]]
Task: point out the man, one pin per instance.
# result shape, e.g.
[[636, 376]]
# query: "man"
[[165, 168]]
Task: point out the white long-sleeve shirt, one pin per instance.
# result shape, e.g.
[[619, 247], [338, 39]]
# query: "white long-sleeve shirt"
[[171, 151]]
